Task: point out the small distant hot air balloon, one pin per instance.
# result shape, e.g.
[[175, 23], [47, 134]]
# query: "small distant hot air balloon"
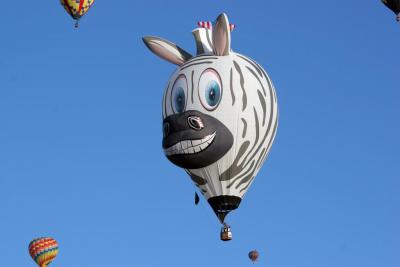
[[253, 255], [43, 250], [77, 8], [393, 5]]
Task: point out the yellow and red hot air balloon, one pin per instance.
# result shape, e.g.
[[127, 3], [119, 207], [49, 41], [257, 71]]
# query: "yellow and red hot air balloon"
[[77, 8], [43, 250]]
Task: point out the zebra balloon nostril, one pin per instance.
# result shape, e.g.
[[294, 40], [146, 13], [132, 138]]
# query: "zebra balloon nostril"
[[166, 129], [195, 123]]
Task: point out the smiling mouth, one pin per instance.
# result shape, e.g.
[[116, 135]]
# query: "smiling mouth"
[[190, 146]]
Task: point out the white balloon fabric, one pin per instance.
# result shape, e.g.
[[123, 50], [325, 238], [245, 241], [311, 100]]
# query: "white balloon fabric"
[[220, 115]]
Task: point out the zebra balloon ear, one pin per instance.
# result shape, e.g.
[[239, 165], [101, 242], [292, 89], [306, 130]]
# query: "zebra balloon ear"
[[221, 36], [166, 50]]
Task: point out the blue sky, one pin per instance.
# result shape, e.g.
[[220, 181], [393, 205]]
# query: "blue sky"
[[80, 136]]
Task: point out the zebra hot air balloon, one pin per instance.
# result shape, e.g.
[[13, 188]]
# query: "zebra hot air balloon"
[[220, 115]]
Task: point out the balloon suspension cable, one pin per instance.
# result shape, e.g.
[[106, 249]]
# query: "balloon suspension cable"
[[76, 23]]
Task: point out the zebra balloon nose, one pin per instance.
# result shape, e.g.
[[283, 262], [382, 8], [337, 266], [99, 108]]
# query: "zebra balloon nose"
[[166, 129], [195, 123]]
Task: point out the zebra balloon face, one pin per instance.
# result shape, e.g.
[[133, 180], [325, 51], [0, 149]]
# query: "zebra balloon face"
[[219, 115], [195, 131]]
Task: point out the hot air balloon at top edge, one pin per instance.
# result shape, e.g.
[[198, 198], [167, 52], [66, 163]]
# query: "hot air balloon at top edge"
[[77, 8], [43, 250], [220, 115], [393, 5]]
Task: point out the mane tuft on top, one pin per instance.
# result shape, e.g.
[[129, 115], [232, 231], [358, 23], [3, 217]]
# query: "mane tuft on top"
[[203, 36]]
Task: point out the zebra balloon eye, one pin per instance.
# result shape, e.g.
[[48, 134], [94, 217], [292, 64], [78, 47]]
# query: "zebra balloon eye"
[[212, 93], [178, 94], [210, 89]]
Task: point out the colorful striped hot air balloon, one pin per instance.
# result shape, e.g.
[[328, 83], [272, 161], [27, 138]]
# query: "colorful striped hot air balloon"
[[77, 8], [43, 250]]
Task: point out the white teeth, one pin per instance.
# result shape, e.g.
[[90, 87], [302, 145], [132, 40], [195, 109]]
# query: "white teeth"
[[203, 146], [184, 144], [196, 142], [190, 146]]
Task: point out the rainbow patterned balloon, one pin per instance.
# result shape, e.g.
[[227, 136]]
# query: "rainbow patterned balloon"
[[43, 250]]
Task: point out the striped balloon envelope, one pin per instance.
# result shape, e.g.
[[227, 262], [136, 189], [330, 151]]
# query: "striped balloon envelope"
[[77, 8], [43, 250]]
